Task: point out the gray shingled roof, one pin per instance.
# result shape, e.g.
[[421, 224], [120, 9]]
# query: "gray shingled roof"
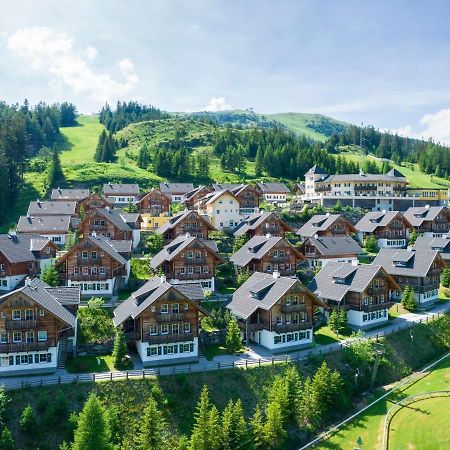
[[178, 245], [121, 246], [256, 248], [442, 245], [116, 217], [22, 247], [151, 191], [67, 296], [372, 220], [358, 278], [41, 224], [46, 208], [335, 246], [273, 188], [130, 217], [176, 188], [141, 299], [69, 194], [120, 189], [417, 262], [253, 221], [177, 218], [227, 186], [317, 223], [47, 297], [262, 290], [417, 215], [316, 170]]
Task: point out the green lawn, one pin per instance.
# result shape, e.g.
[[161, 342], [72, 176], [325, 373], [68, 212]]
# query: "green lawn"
[[396, 311], [324, 335], [78, 143], [369, 426], [423, 424], [91, 363]]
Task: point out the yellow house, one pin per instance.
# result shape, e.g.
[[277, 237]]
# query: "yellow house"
[[440, 195], [222, 208], [151, 223]]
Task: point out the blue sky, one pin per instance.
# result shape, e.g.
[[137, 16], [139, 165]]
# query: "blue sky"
[[384, 63]]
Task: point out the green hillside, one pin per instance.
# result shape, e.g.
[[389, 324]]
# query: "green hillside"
[[314, 126]]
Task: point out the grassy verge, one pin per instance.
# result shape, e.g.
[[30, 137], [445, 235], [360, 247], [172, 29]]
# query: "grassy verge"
[[325, 335], [93, 363]]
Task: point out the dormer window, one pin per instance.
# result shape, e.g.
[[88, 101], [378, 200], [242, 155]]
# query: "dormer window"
[[400, 263], [339, 280]]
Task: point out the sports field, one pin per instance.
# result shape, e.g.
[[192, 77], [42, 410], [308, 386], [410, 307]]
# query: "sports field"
[[420, 426]]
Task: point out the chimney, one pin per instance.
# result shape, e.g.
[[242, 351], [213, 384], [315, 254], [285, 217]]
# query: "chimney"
[[383, 211], [94, 234], [327, 214], [162, 279], [427, 206], [27, 281], [107, 208], [276, 274], [316, 236], [188, 235], [268, 235], [354, 262], [39, 203]]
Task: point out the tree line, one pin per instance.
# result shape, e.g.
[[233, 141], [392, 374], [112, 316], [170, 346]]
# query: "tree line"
[[25, 131], [126, 113]]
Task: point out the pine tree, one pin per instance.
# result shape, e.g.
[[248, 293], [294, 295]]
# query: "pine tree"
[[233, 427], [371, 244], [99, 150], [200, 437], [274, 430], [408, 299], [50, 275], [152, 429], [93, 430], [413, 237], [333, 321], [293, 390], [144, 157], [342, 319], [6, 440], [259, 162], [233, 341], [445, 278], [214, 431], [120, 349], [257, 428], [28, 422], [55, 175]]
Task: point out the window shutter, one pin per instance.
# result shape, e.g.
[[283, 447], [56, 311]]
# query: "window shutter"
[[36, 358], [18, 360], [11, 360], [191, 347], [30, 359], [49, 357], [159, 350]]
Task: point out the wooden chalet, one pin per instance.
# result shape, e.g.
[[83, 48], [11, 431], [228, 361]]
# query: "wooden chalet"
[[327, 225], [261, 224]]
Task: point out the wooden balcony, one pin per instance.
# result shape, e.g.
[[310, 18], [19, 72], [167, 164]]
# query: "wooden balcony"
[[293, 308], [376, 307], [281, 259], [90, 278], [251, 326], [21, 324], [169, 338], [15, 347], [195, 260], [287, 327], [366, 188], [170, 317]]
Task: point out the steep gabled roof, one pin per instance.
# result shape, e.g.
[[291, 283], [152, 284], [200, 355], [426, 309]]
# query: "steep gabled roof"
[[75, 195], [408, 263], [275, 188], [115, 216], [416, 216], [120, 189], [372, 220], [320, 222], [317, 170], [41, 224], [46, 208], [178, 218], [176, 188], [153, 191], [179, 244], [22, 247], [51, 299], [335, 245], [253, 221], [262, 291], [210, 198], [351, 279], [146, 295], [395, 173], [257, 247], [442, 245]]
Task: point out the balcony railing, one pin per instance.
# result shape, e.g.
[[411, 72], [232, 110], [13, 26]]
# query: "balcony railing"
[[366, 188], [195, 260], [191, 229], [166, 338], [170, 317], [293, 308], [21, 324], [277, 259], [188, 276], [377, 306], [90, 277], [400, 188], [285, 328], [252, 326], [15, 347]]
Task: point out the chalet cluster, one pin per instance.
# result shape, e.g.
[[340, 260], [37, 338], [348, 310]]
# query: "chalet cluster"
[[90, 239]]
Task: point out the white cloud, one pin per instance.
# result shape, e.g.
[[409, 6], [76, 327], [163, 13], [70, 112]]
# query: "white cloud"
[[49, 51], [91, 52], [437, 125], [406, 131], [217, 104]]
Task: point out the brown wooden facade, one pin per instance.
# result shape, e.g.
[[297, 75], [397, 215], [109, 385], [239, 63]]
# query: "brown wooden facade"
[[171, 318], [195, 262], [248, 197], [101, 225], [192, 224], [89, 204], [273, 225], [86, 261], [193, 199], [397, 228], [21, 319], [282, 258], [340, 227], [154, 202], [439, 225]]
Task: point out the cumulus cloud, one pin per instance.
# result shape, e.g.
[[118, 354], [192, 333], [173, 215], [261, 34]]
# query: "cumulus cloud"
[[217, 104], [437, 125], [91, 53], [46, 50]]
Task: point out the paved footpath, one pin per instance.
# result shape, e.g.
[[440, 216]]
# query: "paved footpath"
[[253, 355]]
